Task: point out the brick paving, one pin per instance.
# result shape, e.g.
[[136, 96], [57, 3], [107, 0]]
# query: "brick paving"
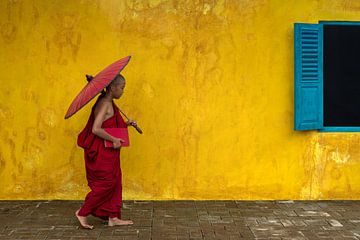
[[185, 220]]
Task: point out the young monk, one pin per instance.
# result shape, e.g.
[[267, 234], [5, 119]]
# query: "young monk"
[[103, 170]]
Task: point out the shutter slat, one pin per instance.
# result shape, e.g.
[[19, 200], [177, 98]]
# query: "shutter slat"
[[309, 41], [308, 69]]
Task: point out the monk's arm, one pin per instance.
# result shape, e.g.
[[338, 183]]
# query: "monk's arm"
[[99, 118]]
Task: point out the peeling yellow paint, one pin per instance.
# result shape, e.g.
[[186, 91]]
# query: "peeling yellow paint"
[[329, 162], [338, 157], [210, 83]]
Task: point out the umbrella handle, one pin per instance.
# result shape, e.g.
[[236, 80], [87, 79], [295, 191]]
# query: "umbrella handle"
[[138, 129]]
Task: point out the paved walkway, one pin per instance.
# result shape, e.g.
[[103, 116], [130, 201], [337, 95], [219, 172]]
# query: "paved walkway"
[[180, 220]]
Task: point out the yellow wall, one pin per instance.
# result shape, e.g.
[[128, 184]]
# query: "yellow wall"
[[210, 83]]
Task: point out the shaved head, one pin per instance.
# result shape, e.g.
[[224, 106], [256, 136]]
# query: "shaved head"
[[117, 80]]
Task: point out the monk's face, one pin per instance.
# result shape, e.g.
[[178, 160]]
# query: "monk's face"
[[118, 89]]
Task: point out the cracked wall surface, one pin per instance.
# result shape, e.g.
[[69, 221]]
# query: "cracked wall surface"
[[209, 82]]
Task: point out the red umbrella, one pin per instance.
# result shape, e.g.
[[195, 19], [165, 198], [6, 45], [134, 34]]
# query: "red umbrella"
[[96, 85]]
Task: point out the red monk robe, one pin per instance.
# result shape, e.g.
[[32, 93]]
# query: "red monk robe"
[[103, 170]]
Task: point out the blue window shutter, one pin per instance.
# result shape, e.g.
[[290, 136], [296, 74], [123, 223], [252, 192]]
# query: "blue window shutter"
[[308, 100]]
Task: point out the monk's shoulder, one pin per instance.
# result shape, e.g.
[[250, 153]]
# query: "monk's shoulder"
[[102, 104]]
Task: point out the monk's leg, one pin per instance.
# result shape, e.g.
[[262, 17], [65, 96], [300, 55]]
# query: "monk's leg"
[[114, 219], [83, 220], [95, 198], [99, 194], [118, 222]]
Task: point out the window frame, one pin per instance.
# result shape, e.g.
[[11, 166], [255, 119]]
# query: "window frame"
[[330, 128]]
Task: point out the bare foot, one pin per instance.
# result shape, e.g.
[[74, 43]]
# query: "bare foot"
[[83, 221], [118, 222]]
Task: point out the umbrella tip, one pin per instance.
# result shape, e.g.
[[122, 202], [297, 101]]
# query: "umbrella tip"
[[89, 77]]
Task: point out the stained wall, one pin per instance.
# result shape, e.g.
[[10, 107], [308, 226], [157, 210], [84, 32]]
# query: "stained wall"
[[209, 82]]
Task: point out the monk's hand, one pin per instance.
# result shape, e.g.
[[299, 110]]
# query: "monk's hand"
[[131, 122], [117, 142]]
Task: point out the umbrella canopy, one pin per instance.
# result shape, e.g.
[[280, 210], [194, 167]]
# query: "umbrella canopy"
[[96, 85]]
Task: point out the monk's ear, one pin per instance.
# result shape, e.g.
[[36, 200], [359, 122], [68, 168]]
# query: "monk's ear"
[[112, 87]]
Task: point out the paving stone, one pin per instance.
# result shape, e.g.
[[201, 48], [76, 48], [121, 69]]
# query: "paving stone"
[[195, 220], [334, 223]]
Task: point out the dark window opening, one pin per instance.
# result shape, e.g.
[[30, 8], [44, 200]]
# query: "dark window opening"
[[341, 75]]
